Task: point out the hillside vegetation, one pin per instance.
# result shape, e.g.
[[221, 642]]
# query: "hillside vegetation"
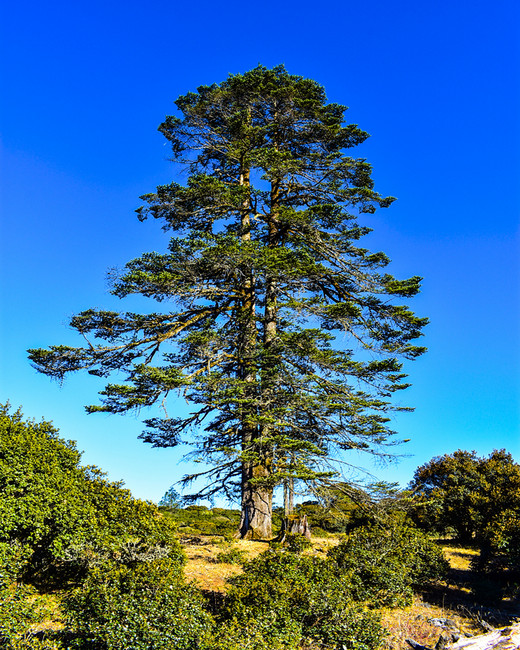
[[85, 565]]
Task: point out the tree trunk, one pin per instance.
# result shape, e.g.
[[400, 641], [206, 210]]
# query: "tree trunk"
[[257, 492], [257, 507], [256, 499], [288, 496], [294, 526]]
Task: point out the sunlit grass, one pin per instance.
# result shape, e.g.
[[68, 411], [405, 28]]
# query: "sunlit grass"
[[460, 558]]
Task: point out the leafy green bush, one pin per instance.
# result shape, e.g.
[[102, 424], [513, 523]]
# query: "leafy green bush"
[[499, 561], [13, 558], [381, 565], [296, 543], [292, 542], [466, 494], [56, 514], [320, 532], [149, 605], [188, 530], [20, 612], [199, 520], [262, 632], [301, 597]]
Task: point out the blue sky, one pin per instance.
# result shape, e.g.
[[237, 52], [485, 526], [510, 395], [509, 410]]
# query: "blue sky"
[[84, 87]]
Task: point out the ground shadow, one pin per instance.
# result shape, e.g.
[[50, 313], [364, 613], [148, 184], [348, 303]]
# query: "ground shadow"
[[470, 593]]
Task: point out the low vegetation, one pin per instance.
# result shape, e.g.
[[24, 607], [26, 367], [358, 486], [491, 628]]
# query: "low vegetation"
[[85, 565]]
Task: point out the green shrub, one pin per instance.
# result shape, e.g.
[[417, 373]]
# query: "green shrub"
[[320, 532], [292, 542], [381, 565], [231, 555], [148, 605], [204, 521], [499, 560], [20, 611], [296, 543], [220, 519], [302, 597], [188, 530], [353, 628], [13, 559], [259, 633], [202, 510], [465, 493], [56, 514]]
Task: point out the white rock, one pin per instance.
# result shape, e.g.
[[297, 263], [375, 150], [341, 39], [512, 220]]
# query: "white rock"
[[506, 638]]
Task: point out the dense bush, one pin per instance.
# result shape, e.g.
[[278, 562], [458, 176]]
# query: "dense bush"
[[21, 612], [477, 499], [499, 559], [259, 632], [296, 543], [382, 564], [147, 605], [56, 515], [13, 559], [301, 597], [200, 520]]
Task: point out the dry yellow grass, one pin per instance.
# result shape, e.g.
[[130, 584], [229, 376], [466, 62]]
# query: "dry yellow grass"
[[202, 569], [460, 558], [414, 623]]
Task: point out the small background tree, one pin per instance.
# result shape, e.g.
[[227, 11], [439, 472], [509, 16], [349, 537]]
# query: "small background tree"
[[477, 499]]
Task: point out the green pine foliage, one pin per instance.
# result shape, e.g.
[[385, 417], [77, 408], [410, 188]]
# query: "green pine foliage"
[[285, 335]]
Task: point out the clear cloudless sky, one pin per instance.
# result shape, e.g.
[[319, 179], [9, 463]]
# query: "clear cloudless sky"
[[84, 87]]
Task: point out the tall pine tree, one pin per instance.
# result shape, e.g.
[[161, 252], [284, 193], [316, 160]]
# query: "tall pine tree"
[[268, 282]]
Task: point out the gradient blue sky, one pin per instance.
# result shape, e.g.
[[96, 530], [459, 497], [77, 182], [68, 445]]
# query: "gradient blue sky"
[[84, 86]]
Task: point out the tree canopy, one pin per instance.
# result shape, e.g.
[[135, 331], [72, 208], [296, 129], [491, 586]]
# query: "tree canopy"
[[285, 336], [476, 497]]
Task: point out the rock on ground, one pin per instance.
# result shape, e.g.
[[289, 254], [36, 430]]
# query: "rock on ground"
[[506, 638]]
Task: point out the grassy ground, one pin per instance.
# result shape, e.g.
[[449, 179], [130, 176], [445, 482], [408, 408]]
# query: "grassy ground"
[[210, 572]]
